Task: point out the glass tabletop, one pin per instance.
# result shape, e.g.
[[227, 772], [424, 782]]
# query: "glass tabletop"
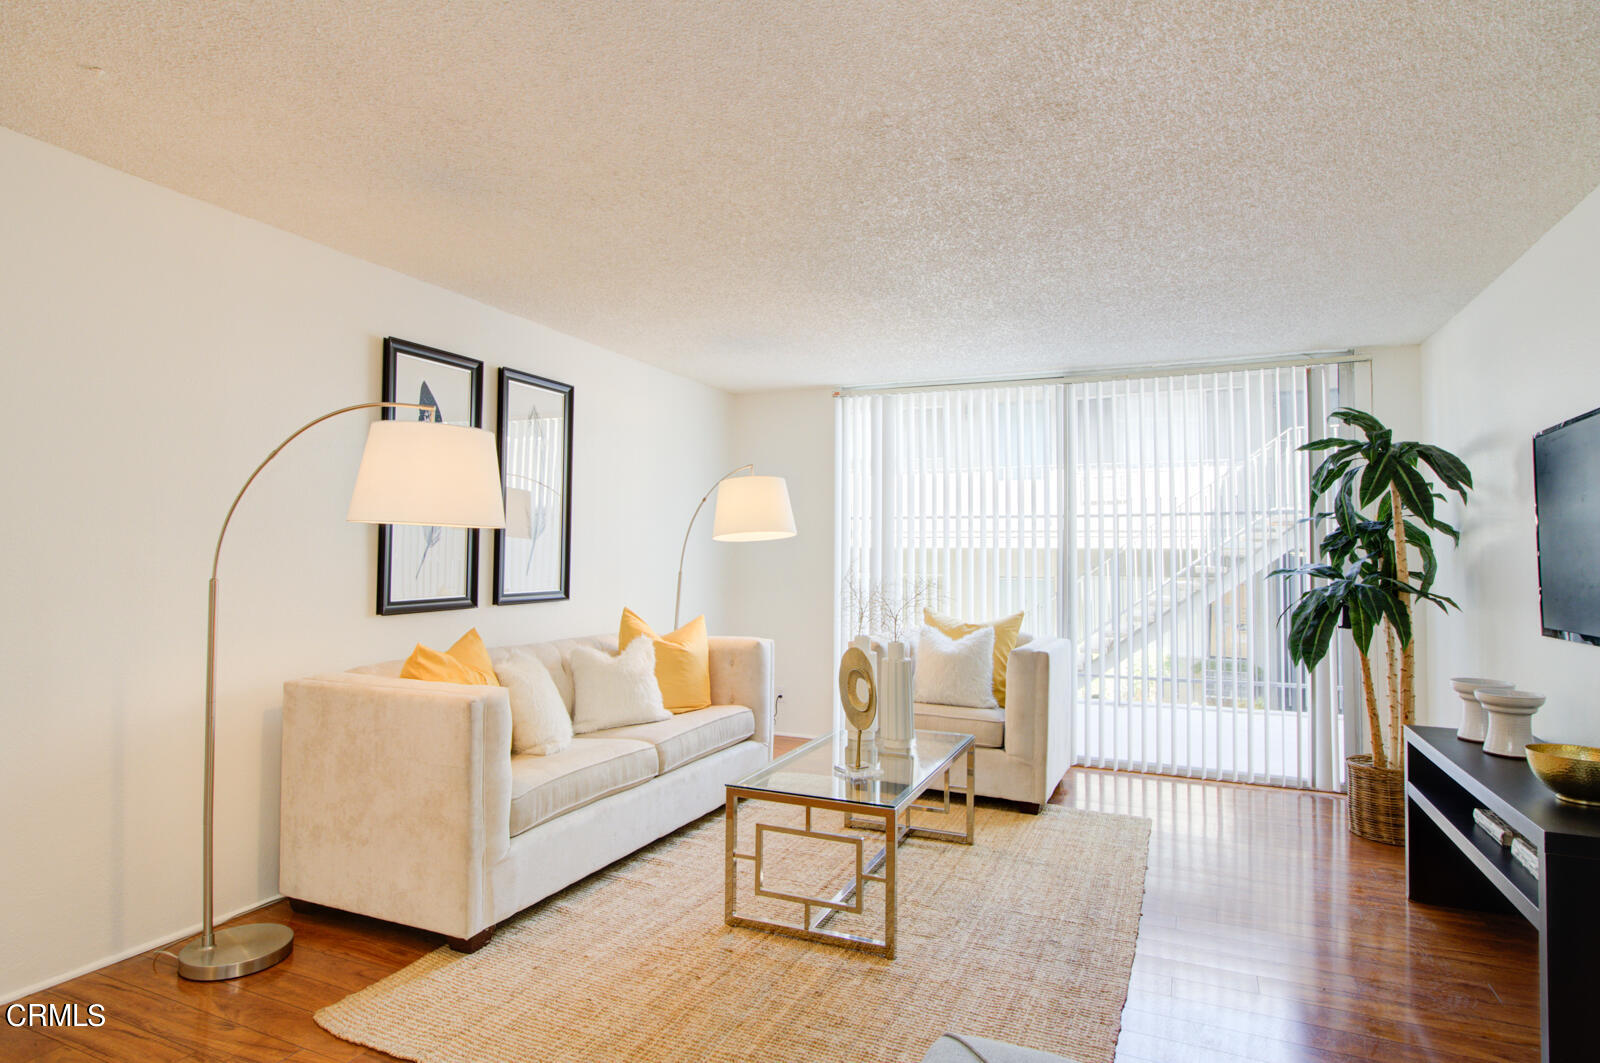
[[808, 770]]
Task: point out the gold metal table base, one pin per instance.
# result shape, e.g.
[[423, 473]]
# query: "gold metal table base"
[[849, 897]]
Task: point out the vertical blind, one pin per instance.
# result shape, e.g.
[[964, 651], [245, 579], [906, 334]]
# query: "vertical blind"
[[1139, 518], [957, 493], [1189, 492]]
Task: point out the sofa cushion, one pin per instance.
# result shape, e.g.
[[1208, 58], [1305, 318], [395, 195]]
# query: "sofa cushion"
[[688, 736], [1006, 632], [683, 669], [542, 788], [615, 691], [553, 655], [465, 662], [539, 720], [986, 726], [956, 671]]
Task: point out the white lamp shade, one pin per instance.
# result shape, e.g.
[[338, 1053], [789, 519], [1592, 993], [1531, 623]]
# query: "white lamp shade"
[[419, 472], [752, 508]]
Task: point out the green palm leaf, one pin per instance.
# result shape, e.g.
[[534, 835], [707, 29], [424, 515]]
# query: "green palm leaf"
[[1376, 477]]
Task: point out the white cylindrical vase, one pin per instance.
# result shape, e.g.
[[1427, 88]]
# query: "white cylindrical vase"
[[896, 727], [1510, 727], [1474, 720]]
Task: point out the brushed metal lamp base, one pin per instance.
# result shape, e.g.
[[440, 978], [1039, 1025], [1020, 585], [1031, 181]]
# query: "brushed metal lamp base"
[[237, 951]]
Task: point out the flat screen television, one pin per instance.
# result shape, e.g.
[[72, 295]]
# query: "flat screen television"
[[1566, 493]]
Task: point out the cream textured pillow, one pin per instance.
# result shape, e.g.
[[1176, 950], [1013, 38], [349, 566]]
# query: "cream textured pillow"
[[956, 671], [539, 720], [615, 691], [1006, 633]]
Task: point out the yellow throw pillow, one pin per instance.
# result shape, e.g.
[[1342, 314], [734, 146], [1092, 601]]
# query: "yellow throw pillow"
[[465, 662], [1005, 640], [683, 660], [470, 651]]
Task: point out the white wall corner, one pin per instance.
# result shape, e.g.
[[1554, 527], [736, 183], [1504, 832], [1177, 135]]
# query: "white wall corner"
[[1523, 355]]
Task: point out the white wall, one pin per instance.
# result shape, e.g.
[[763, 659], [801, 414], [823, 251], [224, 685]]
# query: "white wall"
[[784, 589], [1523, 355], [155, 348], [1396, 400], [1396, 388]]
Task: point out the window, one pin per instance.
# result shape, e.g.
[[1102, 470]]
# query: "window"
[[1140, 518]]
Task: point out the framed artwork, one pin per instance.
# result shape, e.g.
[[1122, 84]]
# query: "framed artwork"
[[426, 569], [532, 553]]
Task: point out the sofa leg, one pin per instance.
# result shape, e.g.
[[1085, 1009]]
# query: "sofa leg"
[[473, 943], [1032, 808]]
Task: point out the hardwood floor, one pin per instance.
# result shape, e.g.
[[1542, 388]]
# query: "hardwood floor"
[[1269, 934]]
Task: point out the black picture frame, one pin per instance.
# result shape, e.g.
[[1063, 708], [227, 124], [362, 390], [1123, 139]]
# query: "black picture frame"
[[536, 482], [422, 570]]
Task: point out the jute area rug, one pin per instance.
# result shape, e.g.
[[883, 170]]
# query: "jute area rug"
[[1027, 937]]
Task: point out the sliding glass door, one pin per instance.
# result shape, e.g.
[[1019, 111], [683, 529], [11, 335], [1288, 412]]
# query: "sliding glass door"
[[1141, 518], [1187, 493]]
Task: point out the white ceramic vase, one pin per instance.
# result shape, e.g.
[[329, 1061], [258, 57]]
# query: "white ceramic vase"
[[1474, 720], [896, 729], [1510, 720]]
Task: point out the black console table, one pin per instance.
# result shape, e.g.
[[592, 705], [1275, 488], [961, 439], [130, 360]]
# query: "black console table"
[[1451, 862]]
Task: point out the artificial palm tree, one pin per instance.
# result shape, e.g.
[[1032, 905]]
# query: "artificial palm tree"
[[1364, 578]]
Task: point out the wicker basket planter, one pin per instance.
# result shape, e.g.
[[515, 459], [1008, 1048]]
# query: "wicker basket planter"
[[1377, 799]]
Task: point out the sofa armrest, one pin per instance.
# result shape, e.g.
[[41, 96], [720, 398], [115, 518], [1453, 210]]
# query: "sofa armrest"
[[1039, 694], [742, 674], [396, 798]]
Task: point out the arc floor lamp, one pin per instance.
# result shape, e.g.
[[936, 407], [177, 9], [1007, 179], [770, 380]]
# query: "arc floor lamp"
[[412, 472], [749, 509]]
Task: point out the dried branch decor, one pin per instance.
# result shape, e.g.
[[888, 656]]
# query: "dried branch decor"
[[891, 609]]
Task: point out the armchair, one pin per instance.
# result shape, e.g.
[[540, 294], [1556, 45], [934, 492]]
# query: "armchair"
[[1024, 749]]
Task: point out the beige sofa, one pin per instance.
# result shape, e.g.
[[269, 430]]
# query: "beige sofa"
[[401, 799], [1024, 749]]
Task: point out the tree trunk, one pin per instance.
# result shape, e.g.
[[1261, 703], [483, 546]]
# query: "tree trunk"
[[1408, 655], [1380, 757], [1391, 648]]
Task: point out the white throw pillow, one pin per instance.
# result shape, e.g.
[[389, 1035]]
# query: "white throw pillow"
[[539, 720], [956, 671], [615, 691]]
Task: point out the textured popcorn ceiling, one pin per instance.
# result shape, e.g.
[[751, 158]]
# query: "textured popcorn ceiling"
[[764, 193]]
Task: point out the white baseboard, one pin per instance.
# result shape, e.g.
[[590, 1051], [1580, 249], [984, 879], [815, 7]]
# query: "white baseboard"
[[786, 734], [164, 939]]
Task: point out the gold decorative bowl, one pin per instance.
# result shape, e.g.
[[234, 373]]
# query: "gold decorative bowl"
[[1573, 772]]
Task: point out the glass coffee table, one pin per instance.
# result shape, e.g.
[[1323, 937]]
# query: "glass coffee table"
[[806, 777]]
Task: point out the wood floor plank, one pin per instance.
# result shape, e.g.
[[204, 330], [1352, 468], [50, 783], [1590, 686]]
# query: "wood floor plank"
[[234, 1002], [183, 1025], [1374, 1031], [119, 1039], [21, 1042]]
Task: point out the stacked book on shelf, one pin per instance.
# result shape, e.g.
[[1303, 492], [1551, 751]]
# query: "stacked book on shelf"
[[1522, 850], [1493, 825], [1524, 853]]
